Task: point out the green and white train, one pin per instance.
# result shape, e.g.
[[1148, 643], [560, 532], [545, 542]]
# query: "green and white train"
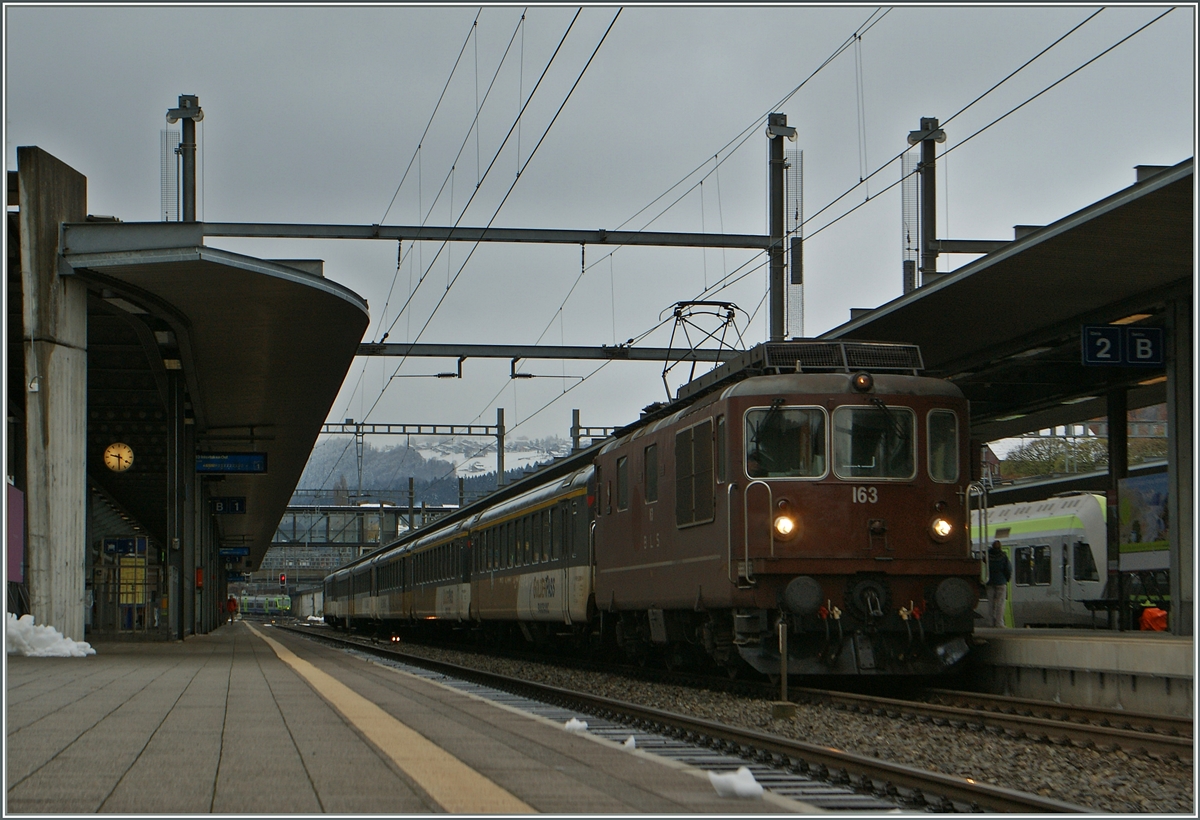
[[1058, 550]]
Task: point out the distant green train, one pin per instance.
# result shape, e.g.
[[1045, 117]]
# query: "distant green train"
[[1058, 550], [265, 605]]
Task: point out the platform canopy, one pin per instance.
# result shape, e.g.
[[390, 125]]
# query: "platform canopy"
[[255, 350], [1006, 328]]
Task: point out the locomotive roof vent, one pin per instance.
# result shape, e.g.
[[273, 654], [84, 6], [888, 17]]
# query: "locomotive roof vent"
[[810, 356]]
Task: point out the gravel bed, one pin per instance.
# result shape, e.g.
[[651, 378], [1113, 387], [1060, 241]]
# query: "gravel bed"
[[1104, 781]]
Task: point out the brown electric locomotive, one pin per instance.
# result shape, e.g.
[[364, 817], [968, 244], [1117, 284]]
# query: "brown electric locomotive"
[[807, 492], [827, 497]]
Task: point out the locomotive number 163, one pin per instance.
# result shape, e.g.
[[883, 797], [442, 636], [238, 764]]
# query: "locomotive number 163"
[[864, 495]]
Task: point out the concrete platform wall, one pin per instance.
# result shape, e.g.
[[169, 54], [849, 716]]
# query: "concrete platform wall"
[[1138, 673]]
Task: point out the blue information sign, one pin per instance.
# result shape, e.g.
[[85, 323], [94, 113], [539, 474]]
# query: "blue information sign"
[[236, 577], [231, 462], [228, 505], [125, 546], [1102, 345], [233, 552], [1122, 346], [1144, 346]]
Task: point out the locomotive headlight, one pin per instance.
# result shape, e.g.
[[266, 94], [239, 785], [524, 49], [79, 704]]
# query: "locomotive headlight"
[[940, 528], [862, 382], [786, 522]]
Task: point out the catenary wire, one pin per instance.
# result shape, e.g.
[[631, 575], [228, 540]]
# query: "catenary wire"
[[1011, 111], [1011, 74], [871, 21], [474, 193], [496, 213]]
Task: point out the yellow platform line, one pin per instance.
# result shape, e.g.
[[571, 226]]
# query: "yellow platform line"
[[456, 787]]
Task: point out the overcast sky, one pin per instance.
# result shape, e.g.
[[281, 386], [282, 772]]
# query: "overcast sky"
[[313, 114]]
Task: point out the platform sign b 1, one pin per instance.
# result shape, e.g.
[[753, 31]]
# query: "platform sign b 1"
[[228, 505], [1122, 346]]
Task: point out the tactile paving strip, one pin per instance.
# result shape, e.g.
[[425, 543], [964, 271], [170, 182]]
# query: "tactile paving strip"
[[828, 796]]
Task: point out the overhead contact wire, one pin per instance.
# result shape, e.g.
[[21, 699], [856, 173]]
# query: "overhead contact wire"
[[1011, 74], [998, 119]]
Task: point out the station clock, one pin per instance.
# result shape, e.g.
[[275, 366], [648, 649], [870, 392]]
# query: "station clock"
[[118, 456]]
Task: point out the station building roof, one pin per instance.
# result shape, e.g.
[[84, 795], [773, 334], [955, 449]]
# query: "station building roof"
[[1006, 328], [261, 346]]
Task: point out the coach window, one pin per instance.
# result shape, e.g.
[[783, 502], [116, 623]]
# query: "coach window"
[[785, 442], [526, 539], [623, 483], [1031, 566], [650, 473], [555, 523], [873, 442], [943, 446], [1041, 565], [547, 533], [535, 532], [576, 523]]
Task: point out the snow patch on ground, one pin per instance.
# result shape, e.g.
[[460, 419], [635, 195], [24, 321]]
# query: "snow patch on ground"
[[36, 641], [738, 784]]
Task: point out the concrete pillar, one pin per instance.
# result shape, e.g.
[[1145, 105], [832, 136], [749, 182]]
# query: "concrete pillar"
[[55, 330], [1180, 480]]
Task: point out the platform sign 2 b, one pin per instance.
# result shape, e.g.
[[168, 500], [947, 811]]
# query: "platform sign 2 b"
[[1122, 346]]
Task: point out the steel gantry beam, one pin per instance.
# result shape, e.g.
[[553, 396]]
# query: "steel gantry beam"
[[640, 354], [93, 237]]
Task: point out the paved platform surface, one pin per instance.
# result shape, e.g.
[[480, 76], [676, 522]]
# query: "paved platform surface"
[[251, 720]]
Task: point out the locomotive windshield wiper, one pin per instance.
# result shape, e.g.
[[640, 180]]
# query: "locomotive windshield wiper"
[[897, 428], [765, 425]]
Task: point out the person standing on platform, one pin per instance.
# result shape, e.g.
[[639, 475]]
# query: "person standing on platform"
[[999, 571], [232, 606]]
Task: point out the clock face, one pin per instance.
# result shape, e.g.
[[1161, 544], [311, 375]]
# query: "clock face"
[[118, 457]]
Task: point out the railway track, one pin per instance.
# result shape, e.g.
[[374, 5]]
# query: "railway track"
[[1048, 722], [826, 777], [1117, 718]]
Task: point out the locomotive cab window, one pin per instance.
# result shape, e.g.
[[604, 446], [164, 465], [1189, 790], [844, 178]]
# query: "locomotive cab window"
[[785, 442], [942, 442], [874, 442]]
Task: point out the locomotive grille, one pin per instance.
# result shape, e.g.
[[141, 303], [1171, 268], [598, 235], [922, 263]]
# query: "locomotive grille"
[[807, 357], [883, 357]]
